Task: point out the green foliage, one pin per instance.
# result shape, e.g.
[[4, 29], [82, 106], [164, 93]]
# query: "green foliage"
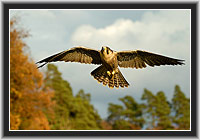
[[128, 116], [157, 110], [76, 112], [63, 94], [149, 107], [122, 125], [84, 116], [114, 112], [164, 115], [181, 107], [71, 112], [163, 111]]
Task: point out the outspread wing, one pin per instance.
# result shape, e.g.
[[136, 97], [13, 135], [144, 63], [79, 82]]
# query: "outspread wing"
[[139, 59], [76, 54]]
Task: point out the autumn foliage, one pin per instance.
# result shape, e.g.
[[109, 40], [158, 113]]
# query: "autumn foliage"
[[28, 97], [40, 102]]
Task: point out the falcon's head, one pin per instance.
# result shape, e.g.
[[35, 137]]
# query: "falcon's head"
[[106, 51]]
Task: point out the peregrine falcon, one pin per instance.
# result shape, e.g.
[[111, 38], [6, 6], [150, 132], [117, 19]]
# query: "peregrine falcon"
[[108, 72]]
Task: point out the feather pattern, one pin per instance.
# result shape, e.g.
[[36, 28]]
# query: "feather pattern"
[[117, 80], [139, 59], [76, 54]]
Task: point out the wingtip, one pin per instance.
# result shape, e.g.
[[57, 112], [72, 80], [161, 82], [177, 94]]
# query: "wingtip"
[[41, 65], [39, 62], [181, 62]]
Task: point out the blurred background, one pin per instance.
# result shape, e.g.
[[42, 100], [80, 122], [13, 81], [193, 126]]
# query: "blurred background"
[[63, 96]]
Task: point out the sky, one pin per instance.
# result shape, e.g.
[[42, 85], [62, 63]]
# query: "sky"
[[165, 32]]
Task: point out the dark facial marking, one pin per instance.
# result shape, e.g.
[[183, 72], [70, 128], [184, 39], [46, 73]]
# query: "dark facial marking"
[[107, 51]]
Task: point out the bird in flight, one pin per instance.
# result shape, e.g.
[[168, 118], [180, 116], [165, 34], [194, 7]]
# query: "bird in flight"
[[108, 72]]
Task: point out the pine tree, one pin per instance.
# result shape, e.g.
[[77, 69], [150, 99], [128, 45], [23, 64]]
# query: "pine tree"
[[125, 117], [85, 116], [63, 97], [71, 112], [181, 107], [157, 110], [163, 111], [149, 109]]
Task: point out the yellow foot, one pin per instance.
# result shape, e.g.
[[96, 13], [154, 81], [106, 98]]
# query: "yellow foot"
[[113, 72], [108, 72]]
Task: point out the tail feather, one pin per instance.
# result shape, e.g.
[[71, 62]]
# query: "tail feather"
[[117, 80], [105, 81], [122, 81], [111, 82]]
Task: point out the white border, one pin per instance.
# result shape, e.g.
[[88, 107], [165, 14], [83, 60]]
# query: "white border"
[[103, 10]]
